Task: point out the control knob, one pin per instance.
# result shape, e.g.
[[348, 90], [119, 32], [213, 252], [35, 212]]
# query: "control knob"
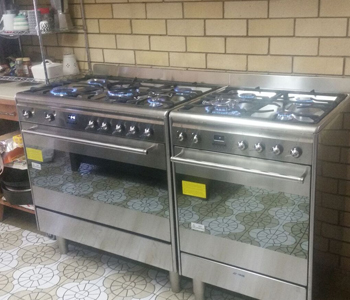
[[105, 126], [242, 145], [277, 149], [181, 136], [50, 117], [196, 138], [147, 132], [91, 125], [27, 114], [296, 152], [133, 129], [119, 129], [259, 147]]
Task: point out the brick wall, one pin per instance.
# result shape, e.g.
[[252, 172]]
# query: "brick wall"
[[278, 36]]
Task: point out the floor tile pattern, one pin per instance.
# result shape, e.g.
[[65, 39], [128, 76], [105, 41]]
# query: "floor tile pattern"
[[32, 268], [94, 183], [272, 220]]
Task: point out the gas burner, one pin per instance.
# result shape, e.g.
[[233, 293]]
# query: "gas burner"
[[64, 91], [185, 91], [285, 116], [121, 94], [159, 101], [247, 96], [97, 81]]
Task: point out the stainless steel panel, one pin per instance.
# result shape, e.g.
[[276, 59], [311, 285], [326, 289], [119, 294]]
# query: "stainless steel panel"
[[232, 135], [259, 173], [246, 256], [116, 216], [240, 281], [100, 237], [72, 141], [289, 82]]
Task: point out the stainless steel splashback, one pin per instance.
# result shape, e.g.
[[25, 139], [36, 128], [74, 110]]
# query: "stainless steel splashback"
[[291, 82]]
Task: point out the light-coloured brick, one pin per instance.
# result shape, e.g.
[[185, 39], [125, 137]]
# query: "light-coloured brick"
[[345, 263], [337, 138], [335, 46], [321, 243], [152, 58], [336, 232], [227, 62], [345, 219], [344, 187], [101, 41], [247, 45], [327, 215], [164, 10], [92, 26], [185, 27], [206, 44], [295, 8], [345, 155], [129, 11], [271, 27], [98, 11], [139, 42], [326, 259], [71, 40], [168, 43], [145, 0], [226, 27], [187, 60], [336, 123], [48, 40], [74, 11], [110, 1], [26, 40], [347, 66], [327, 185], [148, 26], [318, 65], [95, 54], [335, 8], [115, 26], [329, 153], [340, 248], [246, 9], [206, 10], [55, 52], [294, 46], [119, 56], [335, 170], [270, 63], [321, 27]]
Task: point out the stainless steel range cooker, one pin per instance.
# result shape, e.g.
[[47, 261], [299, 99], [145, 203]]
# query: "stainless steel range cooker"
[[97, 153], [244, 176]]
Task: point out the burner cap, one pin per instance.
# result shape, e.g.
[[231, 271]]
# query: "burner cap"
[[157, 101], [247, 95], [284, 116], [123, 93], [185, 91], [63, 91], [97, 81]]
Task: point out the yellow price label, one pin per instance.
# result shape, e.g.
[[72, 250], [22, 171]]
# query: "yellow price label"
[[194, 189], [34, 154]]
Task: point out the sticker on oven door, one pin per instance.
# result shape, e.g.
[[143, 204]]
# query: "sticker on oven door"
[[194, 189], [36, 166], [34, 154], [198, 227]]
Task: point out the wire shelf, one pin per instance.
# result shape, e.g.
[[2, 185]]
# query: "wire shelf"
[[15, 34]]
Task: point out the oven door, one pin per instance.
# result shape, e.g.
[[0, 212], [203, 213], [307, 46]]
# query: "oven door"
[[104, 179], [244, 212]]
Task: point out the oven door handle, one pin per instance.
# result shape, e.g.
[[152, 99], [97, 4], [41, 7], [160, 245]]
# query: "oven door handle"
[[142, 151], [178, 159]]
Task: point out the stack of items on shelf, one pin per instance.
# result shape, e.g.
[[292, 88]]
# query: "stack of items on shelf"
[[14, 179]]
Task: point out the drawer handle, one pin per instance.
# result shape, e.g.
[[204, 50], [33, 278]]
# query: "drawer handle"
[[4, 113]]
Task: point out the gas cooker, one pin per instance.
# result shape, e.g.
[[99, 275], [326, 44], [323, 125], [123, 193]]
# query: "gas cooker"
[[146, 93], [272, 105]]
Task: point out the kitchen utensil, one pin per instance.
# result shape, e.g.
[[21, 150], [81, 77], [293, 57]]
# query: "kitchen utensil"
[[70, 65], [8, 20], [64, 21], [20, 23], [45, 26], [53, 70]]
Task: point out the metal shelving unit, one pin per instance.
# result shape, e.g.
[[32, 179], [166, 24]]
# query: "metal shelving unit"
[[39, 34]]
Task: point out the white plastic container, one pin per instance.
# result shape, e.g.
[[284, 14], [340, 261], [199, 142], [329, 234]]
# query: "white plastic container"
[[53, 70]]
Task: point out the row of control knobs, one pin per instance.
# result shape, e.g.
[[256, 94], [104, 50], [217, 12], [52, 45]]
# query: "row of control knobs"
[[243, 145], [118, 129], [48, 116]]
